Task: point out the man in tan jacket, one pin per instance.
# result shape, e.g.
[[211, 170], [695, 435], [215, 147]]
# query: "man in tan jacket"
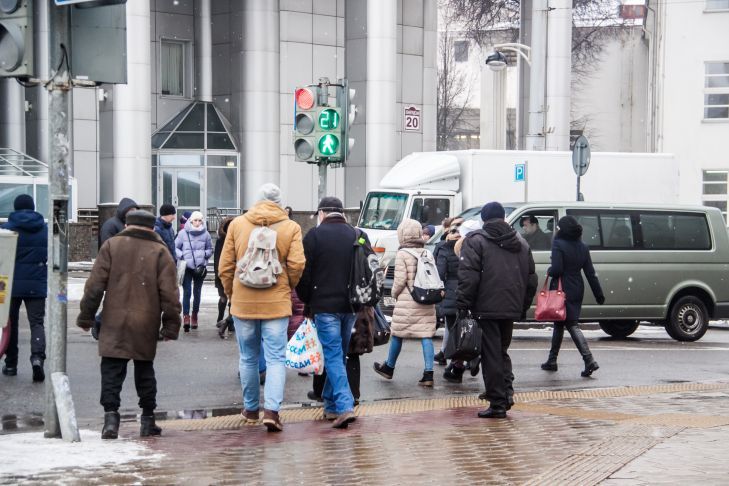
[[262, 313], [136, 277]]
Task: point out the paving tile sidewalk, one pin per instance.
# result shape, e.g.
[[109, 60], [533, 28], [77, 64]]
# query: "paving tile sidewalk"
[[644, 435]]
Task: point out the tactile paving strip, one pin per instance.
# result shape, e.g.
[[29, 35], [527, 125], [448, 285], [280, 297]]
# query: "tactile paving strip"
[[389, 407]]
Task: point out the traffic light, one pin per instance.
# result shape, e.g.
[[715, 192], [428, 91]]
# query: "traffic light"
[[305, 118], [16, 38], [328, 133]]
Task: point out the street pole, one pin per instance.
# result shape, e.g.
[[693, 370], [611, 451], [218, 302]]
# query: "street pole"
[[323, 93], [59, 140], [322, 179]]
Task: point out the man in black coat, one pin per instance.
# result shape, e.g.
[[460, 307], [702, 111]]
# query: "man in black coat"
[[324, 288], [115, 225], [496, 283], [30, 284]]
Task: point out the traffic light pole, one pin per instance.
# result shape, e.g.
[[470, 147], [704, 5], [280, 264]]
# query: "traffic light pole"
[[322, 179], [59, 140]]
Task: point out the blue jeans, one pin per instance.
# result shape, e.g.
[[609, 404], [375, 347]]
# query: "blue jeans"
[[249, 334], [335, 331], [396, 347], [187, 282]]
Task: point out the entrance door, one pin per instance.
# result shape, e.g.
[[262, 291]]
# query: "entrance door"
[[183, 188]]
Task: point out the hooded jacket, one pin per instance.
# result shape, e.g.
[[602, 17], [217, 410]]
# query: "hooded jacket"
[[409, 318], [496, 274], [115, 225], [30, 278], [194, 245], [219, 242], [273, 302], [165, 231], [137, 280]]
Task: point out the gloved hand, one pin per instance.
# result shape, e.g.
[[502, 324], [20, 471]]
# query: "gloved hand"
[[307, 312], [600, 299]]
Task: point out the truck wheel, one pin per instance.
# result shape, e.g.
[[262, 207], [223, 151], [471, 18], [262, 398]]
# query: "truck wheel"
[[688, 319], [619, 329]]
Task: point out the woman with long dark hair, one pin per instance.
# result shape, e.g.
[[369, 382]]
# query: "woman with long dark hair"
[[571, 257]]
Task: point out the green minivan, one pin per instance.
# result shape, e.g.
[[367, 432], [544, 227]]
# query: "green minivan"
[[666, 265]]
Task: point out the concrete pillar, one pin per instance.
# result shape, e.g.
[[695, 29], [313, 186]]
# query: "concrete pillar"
[[525, 37], [203, 51], [537, 76], [493, 109], [258, 110], [430, 74], [42, 63], [381, 123], [559, 71], [12, 115], [131, 113]]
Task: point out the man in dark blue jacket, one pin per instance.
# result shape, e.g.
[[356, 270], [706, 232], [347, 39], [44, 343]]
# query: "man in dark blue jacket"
[[163, 227], [30, 284], [324, 288]]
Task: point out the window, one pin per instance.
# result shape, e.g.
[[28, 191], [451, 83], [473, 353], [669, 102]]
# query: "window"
[[717, 4], [714, 192], [716, 90], [172, 68], [460, 51], [537, 229], [430, 211], [617, 230], [675, 231], [383, 210]]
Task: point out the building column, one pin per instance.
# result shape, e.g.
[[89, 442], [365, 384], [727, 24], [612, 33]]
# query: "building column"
[[381, 122], [203, 51], [493, 109], [258, 107], [41, 48], [430, 75], [559, 75], [12, 115], [132, 121], [537, 76]]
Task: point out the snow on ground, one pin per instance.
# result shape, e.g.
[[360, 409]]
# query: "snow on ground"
[[76, 291], [31, 453]]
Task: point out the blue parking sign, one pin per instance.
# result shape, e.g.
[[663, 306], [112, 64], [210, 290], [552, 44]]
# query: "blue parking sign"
[[519, 172]]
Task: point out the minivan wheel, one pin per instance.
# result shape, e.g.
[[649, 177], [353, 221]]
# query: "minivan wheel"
[[688, 319], [619, 329]]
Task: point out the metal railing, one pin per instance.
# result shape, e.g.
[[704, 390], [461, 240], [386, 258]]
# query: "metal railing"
[[216, 216]]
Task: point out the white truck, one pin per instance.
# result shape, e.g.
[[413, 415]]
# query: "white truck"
[[430, 186]]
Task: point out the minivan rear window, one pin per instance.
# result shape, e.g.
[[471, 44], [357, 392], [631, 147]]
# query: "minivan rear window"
[[643, 230]]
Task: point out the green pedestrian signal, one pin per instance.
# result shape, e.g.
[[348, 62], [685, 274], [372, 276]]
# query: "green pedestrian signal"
[[328, 144], [328, 119]]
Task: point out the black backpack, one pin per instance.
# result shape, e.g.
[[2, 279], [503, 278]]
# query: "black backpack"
[[366, 277]]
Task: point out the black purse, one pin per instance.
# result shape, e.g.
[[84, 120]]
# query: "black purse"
[[464, 340], [200, 270], [382, 328]]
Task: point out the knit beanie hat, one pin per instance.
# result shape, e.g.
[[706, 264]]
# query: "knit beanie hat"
[[139, 217], [24, 201], [270, 192], [492, 210], [195, 215], [167, 210], [429, 230]]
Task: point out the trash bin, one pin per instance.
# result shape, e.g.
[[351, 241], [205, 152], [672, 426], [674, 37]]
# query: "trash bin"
[[8, 243]]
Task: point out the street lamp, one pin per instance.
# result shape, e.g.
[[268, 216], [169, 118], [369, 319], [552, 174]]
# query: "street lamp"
[[520, 49], [496, 61]]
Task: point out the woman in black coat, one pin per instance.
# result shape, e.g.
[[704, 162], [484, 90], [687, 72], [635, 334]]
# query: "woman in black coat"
[[571, 257]]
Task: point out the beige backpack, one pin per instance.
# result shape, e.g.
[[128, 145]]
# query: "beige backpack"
[[259, 268]]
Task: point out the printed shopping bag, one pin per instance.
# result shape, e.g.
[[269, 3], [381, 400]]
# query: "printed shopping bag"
[[304, 352], [551, 306], [181, 266]]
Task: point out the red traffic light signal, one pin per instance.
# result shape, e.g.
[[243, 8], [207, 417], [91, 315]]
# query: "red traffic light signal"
[[305, 98]]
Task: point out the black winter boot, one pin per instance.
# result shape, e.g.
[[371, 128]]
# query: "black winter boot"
[[557, 336], [427, 379], [440, 358], [148, 427], [385, 371], [581, 343], [453, 374], [111, 425]]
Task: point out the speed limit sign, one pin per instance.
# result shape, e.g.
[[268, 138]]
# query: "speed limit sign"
[[411, 119]]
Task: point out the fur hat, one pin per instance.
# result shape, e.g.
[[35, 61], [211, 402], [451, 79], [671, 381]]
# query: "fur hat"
[[139, 217]]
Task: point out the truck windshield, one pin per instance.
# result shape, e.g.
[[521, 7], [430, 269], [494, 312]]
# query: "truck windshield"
[[383, 210]]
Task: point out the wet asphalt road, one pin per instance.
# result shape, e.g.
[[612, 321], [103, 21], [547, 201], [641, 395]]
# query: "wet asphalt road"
[[200, 370]]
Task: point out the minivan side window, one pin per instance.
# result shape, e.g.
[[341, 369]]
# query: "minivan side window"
[[617, 230], [675, 231], [430, 210], [537, 228], [590, 229]]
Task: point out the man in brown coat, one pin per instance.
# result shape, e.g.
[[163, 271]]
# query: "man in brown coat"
[[262, 314], [137, 279]]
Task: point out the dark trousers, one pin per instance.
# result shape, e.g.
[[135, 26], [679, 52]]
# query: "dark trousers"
[[113, 373], [496, 363], [353, 377], [36, 310], [196, 283]]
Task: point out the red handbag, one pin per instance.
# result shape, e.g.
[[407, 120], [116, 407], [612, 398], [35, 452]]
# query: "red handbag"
[[551, 305]]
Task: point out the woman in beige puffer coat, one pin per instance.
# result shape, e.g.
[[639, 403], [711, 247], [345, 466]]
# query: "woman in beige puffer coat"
[[409, 319]]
